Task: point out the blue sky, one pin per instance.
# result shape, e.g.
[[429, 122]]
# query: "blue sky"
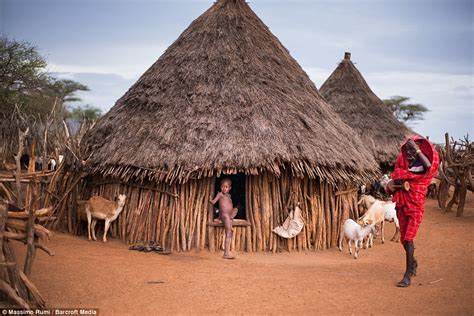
[[422, 49]]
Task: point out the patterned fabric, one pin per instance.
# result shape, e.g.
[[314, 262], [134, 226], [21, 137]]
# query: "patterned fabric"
[[410, 204], [409, 221]]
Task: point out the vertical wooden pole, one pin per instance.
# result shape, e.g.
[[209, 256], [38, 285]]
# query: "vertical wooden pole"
[[14, 272], [31, 250], [210, 216], [181, 218], [21, 139], [454, 199], [463, 191], [248, 213], [31, 169], [204, 210], [3, 221]]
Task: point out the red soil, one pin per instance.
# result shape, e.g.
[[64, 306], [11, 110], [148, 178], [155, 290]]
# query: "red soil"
[[119, 281]]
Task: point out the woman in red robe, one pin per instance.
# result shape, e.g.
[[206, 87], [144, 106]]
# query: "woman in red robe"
[[415, 166]]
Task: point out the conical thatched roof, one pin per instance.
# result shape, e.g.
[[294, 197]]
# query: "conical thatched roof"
[[226, 96], [350, 96]]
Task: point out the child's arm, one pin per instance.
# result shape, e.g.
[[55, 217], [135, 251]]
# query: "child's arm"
[[218, 196]]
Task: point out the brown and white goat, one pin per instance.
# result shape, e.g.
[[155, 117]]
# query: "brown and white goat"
[[365, 202], [379, 212], [99, 208]]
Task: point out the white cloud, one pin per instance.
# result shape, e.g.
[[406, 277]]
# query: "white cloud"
[[64, 70], [107, 70], [126, 61]]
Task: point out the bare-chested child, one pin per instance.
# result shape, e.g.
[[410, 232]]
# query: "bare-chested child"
[[227, 212]]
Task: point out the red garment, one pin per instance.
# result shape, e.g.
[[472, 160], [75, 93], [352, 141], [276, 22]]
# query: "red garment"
[[410, 204], [409, 222]]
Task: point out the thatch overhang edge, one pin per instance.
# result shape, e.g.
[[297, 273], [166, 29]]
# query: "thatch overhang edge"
[[299, 169]]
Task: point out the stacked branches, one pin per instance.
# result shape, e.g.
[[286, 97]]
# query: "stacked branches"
[[456, 170], [40, 130], [24, 226], [23, 188]]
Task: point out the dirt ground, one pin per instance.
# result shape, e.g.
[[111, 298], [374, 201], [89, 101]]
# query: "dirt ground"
[[119, 281]]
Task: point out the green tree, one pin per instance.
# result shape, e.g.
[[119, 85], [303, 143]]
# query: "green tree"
[[87, 113], [20, 66], [24, 82], [404, 111], [65, 89]]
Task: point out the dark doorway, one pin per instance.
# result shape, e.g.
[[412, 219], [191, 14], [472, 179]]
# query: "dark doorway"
[[237, 192]]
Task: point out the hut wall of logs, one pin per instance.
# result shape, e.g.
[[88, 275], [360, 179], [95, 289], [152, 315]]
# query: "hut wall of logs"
[[180, 216]]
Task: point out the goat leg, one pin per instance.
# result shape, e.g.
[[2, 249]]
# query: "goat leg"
[[94, 222], [89, 219], [382, 225], [396, 234], [341, 239], [369, 242], [106, 228]]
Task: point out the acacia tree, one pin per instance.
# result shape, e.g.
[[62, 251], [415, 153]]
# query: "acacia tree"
[[86, 113], [25, 84], [404, 111], [20, 73], [26, 88]]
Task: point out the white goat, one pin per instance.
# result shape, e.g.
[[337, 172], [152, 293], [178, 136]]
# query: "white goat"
[[354, 232], [379, 212], [99, 208]]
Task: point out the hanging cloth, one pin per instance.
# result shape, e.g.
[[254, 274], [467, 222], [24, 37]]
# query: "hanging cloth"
[[292, 226]]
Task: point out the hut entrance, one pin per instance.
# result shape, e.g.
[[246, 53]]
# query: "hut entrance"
[[237, 192]]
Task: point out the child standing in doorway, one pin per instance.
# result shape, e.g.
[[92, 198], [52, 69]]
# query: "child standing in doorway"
[[227, 213]]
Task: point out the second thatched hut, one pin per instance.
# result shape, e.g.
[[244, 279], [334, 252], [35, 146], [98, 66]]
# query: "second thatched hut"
[[226, 98], [351, 97]]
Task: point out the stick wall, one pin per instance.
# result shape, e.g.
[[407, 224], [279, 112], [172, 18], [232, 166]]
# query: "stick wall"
[[176, 216]]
